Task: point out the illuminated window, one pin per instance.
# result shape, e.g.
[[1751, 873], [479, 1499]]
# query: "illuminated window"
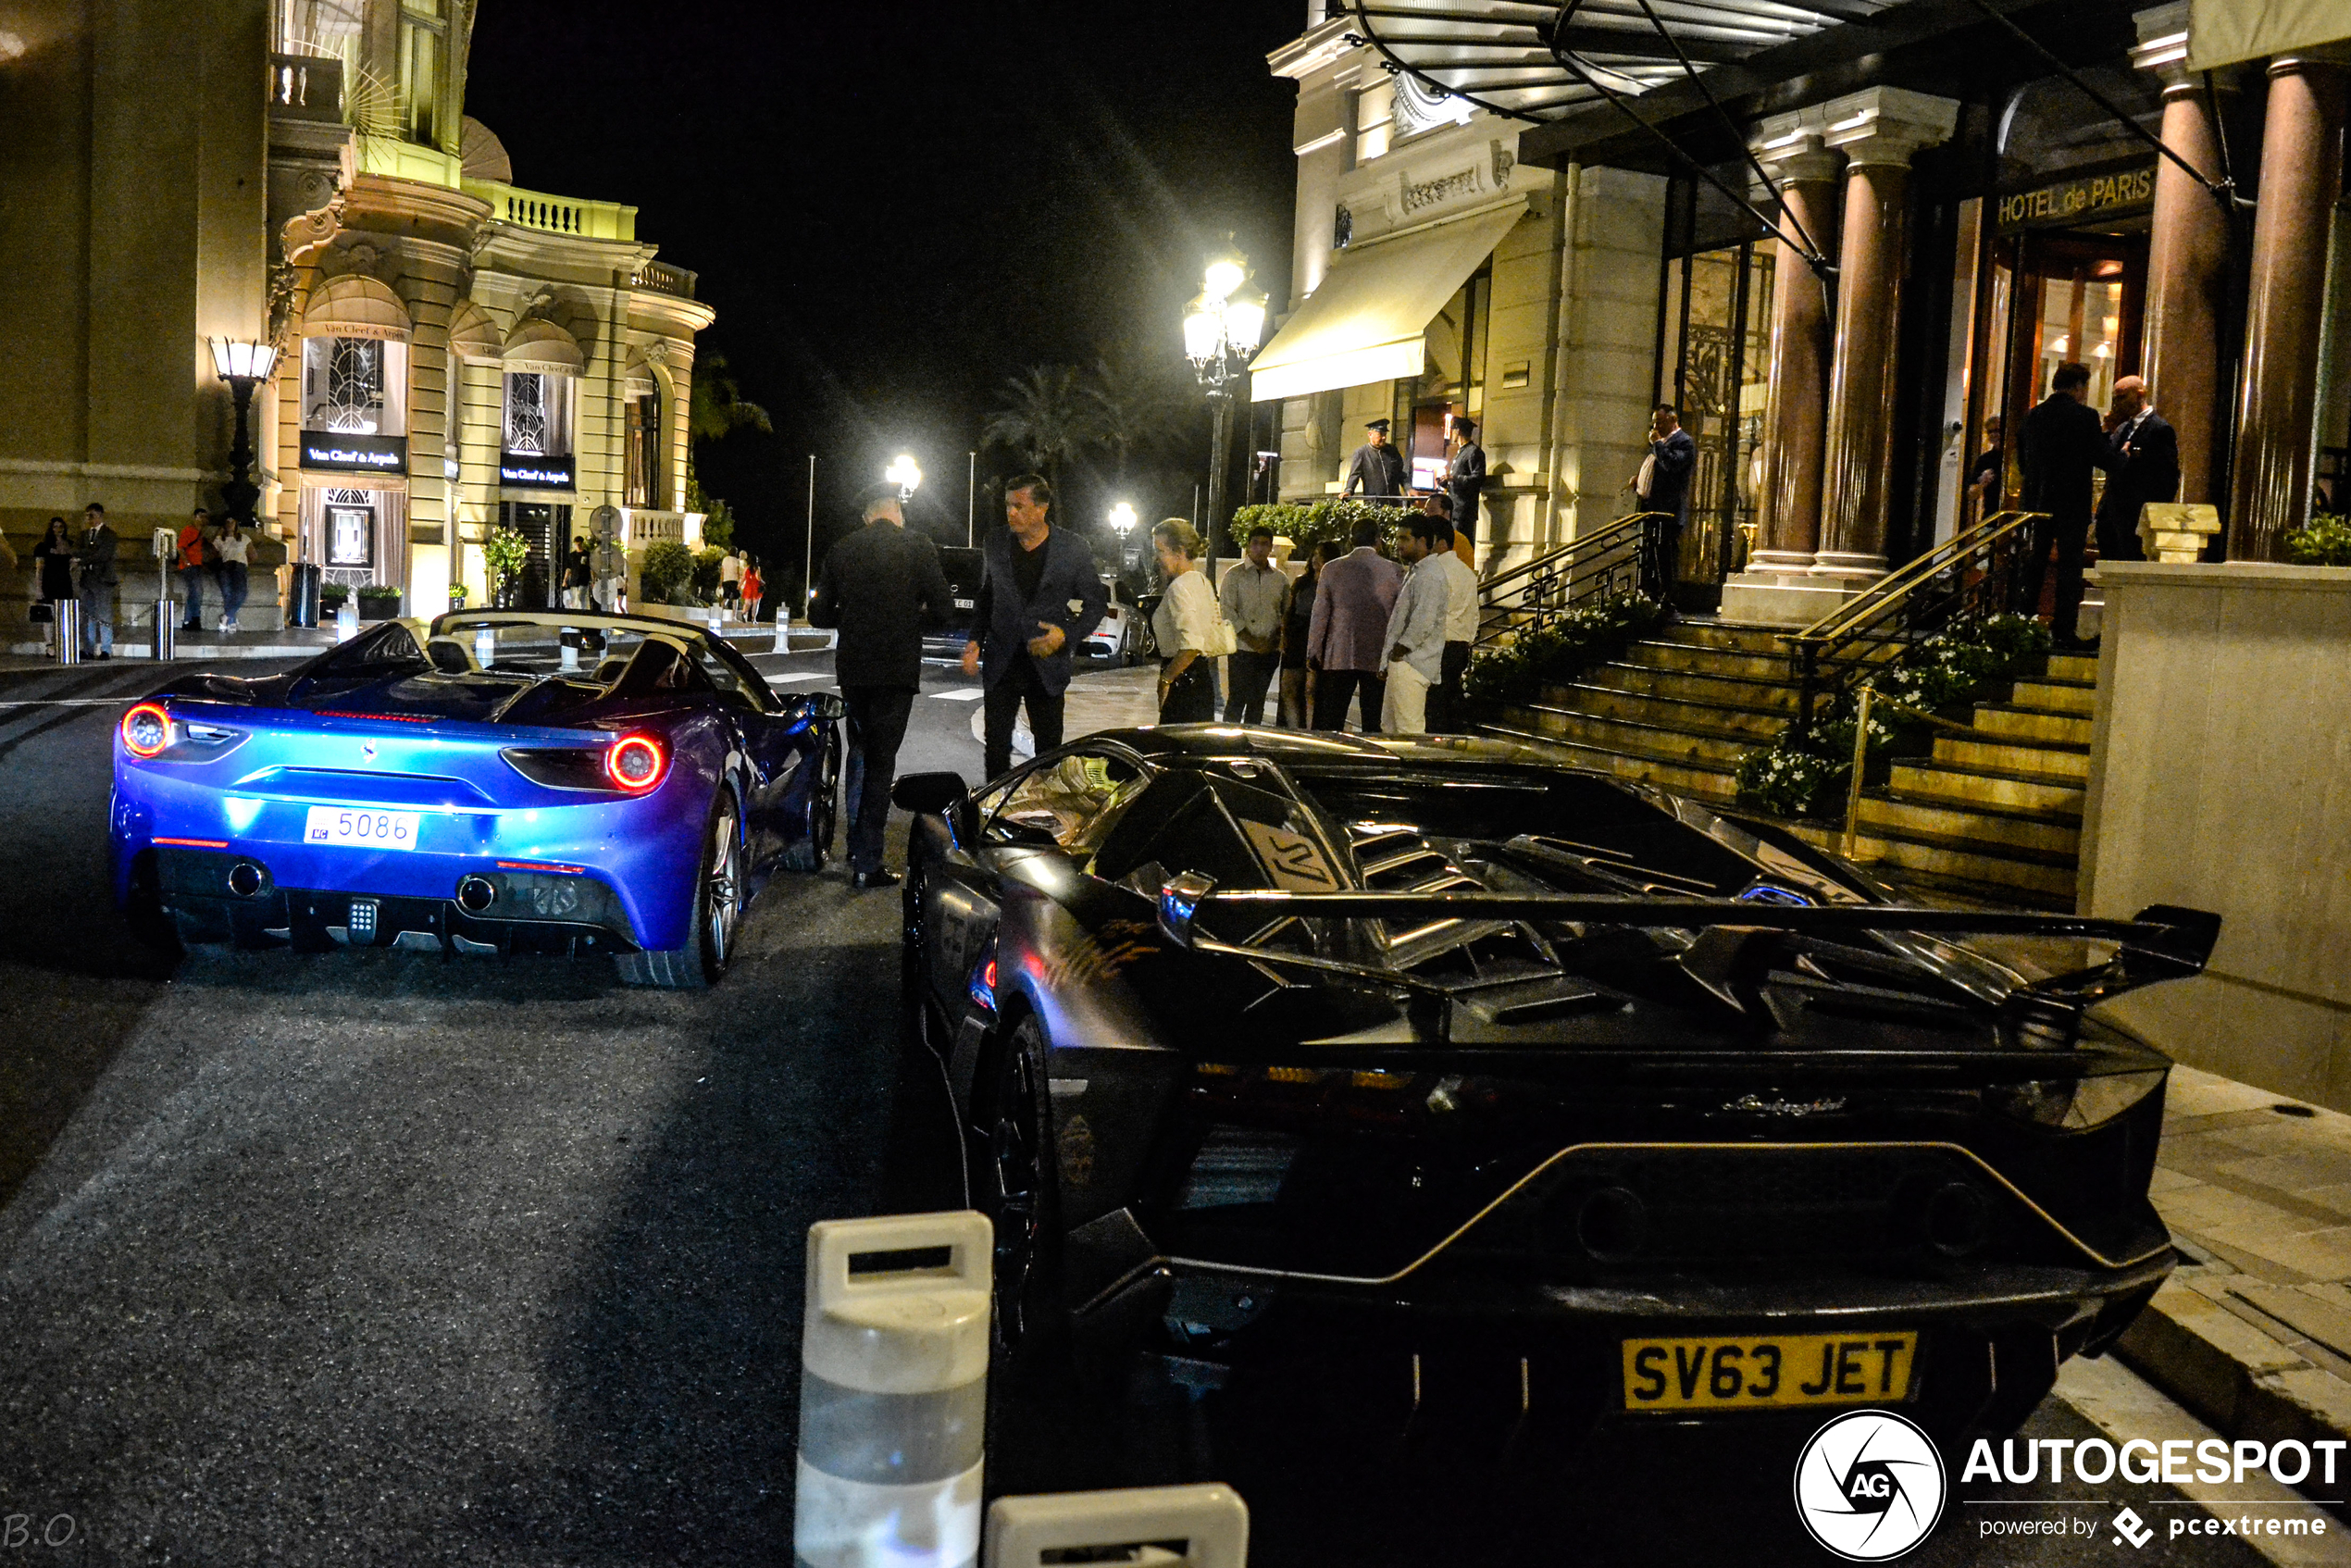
[[354, 386], [644, 449], [537, 414], [1375, 120]]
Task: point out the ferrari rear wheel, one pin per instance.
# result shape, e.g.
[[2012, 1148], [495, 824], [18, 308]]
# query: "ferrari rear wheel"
[[1018, 1189], [722, 888], [815, 846]]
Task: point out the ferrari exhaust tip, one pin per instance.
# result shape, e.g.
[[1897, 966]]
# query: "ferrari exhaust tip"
[[245, 878], [476, 894]]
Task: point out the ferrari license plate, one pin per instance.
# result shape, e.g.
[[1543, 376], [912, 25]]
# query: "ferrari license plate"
[[362, 829], [1769, 1371]]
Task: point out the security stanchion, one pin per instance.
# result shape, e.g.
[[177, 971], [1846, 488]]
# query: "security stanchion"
[[1135, 1525], [893, 1393]]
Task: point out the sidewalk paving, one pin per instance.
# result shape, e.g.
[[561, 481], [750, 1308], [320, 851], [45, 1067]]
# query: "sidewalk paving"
[[2253, 1334]]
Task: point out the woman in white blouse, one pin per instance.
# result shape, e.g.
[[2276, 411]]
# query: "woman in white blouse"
[[231, 548], [1183, 625]]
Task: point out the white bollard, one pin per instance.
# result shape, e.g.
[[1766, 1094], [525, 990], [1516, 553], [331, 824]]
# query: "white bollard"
[[1211, 1521], [893, 1392]]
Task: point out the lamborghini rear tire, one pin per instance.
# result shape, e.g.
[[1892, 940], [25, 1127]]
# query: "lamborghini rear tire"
[[721, 890]]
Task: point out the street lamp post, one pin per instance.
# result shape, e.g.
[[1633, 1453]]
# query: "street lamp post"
[[905, 476], [1122, 523], [1222, 327], [243, 365]]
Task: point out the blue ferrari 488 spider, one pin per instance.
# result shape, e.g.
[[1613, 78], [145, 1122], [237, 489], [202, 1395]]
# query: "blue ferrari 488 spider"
[[499, 780]]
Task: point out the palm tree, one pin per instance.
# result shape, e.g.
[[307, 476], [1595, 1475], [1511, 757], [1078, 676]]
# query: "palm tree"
[[1139, 409], [717, 407], [1048, 416]]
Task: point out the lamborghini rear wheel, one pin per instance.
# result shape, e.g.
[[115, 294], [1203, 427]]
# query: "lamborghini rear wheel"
[[721, 890]]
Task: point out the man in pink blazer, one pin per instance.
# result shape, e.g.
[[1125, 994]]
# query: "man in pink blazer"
[[1346, 639]]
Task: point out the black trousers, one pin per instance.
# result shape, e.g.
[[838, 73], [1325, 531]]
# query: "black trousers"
[[1250, 674], [2119, 539], [1660, 569], [876, 728], [1446, 714], [2069, 534], [1021, 683], [1192, 700], [1334, 686]]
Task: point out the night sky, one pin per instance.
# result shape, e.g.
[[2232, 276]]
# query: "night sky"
[[895, 207]]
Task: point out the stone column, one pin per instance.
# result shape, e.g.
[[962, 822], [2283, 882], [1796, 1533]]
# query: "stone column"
[[2301, 171], [1798, 386], [1878, 130], [2187, 256]]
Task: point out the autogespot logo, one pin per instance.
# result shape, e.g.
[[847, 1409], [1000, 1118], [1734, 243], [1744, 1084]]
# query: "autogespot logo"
[[1870, 1486]]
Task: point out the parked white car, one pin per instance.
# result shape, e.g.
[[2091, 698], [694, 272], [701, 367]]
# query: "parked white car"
[[1125, 635]]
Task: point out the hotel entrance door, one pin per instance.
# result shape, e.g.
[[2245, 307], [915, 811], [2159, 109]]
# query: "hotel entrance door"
[[2057, 297]]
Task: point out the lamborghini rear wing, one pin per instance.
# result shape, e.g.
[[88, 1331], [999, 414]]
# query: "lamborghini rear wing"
[[2161, 942]]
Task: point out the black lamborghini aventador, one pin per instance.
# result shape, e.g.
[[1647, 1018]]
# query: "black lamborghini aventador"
[[1273, 1048]]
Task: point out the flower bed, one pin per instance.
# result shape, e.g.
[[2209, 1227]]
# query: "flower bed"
[[1811, 776], [1517, 671]]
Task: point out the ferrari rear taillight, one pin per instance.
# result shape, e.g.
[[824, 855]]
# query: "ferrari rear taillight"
[[636, 763], [146, 730]]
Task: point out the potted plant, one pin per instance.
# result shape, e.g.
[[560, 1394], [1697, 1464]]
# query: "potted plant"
[[2326, 542], [504, 550], [377, 603], [456, 595], [331, 598]]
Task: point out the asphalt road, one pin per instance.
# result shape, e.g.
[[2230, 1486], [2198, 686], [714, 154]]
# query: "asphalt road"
[[389, 1258]]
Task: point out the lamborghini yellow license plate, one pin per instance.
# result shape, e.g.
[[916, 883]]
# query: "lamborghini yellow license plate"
[[1769, 1371]]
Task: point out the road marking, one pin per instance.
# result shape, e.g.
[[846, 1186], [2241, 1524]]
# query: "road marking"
[[71, 701], [804, 674], [962, 694]]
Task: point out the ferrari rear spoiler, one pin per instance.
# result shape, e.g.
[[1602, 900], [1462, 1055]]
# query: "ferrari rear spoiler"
[[2161, 942]]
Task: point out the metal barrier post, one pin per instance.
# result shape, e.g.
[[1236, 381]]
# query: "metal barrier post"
[[66, 624], [165, 643], [893, 1392], [1860, 760], [1120, 1527]]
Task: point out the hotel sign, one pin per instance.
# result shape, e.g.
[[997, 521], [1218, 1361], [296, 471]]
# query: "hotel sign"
[[2082, 198], [535, 471], [349, 453]]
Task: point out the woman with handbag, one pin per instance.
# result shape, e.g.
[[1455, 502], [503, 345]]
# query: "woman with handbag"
[[1189, 627], [54, 559]]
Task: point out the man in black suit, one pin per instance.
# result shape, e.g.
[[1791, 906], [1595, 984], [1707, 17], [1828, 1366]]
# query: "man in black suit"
[[2063, 439], [1466, 479], [1376, 466], [1663, 486], [2148, 450], [877, 587]]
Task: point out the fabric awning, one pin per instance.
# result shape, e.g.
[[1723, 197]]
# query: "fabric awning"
[[2221, 32], [473, 335], [356, 305], [540, 346], [1367, 321]]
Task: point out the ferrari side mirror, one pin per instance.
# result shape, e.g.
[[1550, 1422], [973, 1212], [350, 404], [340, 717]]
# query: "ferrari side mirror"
[[928, 794]]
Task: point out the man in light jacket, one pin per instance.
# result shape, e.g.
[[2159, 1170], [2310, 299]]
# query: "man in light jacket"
[[1447, 713], [1416, 626], [1255, 595], [1345, 642]]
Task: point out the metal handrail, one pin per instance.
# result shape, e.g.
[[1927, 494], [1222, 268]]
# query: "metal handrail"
[[1898, 583], [1832, 654], [1613, 558]]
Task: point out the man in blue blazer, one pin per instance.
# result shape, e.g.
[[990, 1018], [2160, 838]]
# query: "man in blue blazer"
[[1040, 595]]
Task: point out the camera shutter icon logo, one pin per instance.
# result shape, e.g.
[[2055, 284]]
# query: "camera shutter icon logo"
[[1870, 1486]]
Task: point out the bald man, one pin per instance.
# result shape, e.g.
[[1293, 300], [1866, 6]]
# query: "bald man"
[[2147, 468]]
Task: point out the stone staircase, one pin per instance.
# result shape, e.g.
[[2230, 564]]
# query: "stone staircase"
[[1995, 816], [1998, 813], [1678, 710]]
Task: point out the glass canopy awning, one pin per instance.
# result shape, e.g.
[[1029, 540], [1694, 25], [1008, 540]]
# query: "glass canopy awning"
[[1536, 60]]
